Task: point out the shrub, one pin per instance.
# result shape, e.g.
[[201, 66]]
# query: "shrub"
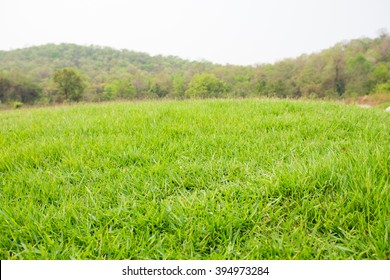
[[17, 104]]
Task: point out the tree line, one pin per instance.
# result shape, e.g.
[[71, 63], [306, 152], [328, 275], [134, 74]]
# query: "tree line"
[[67, 72]]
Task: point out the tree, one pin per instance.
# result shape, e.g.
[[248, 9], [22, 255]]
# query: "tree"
[[160, 84], [205, 85], [5, 85], [338, 65], [354, 67], [123, 89], [69, 83], [158, 90], [381, 73], [358, 69], [178, 86], [17, 88], [140, 83]]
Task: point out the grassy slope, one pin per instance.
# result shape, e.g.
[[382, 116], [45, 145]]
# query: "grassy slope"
[[230, 179]]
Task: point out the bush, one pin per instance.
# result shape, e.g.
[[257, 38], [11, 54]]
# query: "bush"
[[18, 105], [205, 86], [69, 84], [382, 88]]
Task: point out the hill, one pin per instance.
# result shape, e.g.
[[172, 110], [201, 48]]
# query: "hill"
[[91, 60], [349, 69]]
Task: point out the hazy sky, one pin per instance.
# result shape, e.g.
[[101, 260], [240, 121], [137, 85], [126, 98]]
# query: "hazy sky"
[[223, 31]]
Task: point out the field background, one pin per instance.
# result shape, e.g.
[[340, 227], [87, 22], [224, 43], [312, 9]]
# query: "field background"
[[212, 179]]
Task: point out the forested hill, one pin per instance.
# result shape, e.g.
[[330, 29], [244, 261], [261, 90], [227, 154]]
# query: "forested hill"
[[93, 61], [38, 74]]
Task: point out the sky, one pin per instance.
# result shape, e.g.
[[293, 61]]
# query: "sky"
[[243, 32]]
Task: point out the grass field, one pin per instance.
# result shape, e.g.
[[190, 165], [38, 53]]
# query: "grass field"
[[216, 179]]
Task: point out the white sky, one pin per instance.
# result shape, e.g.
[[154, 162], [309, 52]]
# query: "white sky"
[[222, 31]]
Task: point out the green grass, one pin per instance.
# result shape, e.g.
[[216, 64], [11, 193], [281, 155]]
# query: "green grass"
[[383, 106], [216, 179]]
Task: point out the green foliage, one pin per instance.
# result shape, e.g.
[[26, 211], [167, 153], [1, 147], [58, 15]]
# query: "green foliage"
[[122, 89], [16, 87], [209, 179], [69, 83], [381, 73], [358, 67], [18, 104], [158, 90], [205, 85], [383, 88], [178, 86]]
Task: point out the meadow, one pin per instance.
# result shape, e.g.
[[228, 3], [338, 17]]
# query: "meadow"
[[211, 179]]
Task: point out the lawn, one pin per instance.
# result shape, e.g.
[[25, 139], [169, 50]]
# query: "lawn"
[[215, 179]]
